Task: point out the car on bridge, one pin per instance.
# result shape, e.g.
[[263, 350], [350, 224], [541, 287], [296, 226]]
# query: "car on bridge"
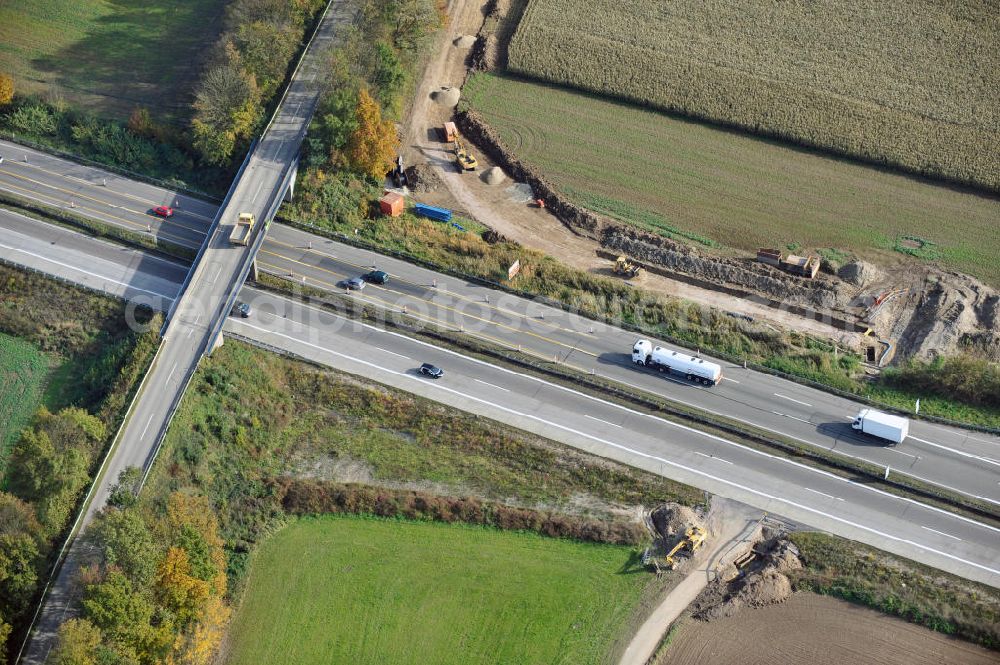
[[163, 211]]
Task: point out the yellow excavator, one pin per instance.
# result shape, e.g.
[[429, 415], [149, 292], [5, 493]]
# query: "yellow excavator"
[[693, 539], [464, 158], [626, 268]]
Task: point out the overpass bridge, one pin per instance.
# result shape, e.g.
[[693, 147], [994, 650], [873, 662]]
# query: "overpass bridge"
[[195, 322]]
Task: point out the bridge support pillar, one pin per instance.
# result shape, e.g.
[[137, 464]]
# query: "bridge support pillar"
[[218, 342], [254, 277], [291, 182]]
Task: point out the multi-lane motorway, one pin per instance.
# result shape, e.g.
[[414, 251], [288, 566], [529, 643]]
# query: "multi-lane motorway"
[[962, 461], [772, 483]]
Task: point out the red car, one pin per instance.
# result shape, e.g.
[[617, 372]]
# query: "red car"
[[163, 211]]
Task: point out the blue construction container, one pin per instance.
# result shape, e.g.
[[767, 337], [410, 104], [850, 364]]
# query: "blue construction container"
[[440, 214]]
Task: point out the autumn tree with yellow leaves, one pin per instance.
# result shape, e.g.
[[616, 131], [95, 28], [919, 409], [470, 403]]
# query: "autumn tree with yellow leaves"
[[371, 148]]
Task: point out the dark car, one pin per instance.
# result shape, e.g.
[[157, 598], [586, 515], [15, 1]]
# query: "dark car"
[[163, 211], [376, 277], [241, 309], [432, 371], [352, 284]]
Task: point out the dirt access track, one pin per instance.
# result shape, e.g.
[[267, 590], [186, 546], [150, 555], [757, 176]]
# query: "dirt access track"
[[818, 630], [504, 207]]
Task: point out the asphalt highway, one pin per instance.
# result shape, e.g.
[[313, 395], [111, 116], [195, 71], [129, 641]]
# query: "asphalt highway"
[[953, 458], [771, 483]]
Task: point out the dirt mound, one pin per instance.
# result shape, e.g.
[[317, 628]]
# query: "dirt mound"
[[493, 176], [672, 519], [861, 273], [744, 273], [465, 41], [767, 587], [422, 178], [949, 311], [447, 96]]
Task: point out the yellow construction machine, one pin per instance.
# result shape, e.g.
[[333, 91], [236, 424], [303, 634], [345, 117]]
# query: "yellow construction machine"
[[693, 539], [626, 268], [465, 160]]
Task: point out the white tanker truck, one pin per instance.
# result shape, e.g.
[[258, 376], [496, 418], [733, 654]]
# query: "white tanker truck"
[[675, 362]]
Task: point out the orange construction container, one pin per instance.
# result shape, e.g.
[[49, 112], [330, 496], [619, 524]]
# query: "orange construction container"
[[450, 131], [392, 204]]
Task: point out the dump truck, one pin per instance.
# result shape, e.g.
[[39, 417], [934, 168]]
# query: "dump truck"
[[626, 268], [241, 230], [803, 266], [674, 362], [882, 425]]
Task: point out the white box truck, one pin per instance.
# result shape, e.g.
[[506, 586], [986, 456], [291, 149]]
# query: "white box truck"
[[675, 362], [882, 425]]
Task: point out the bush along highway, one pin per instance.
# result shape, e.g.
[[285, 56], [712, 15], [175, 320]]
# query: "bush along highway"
[[896, 482]]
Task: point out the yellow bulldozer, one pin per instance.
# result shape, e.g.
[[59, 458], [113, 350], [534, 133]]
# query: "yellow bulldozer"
[[626, 268], [693, 539], [463, 158]]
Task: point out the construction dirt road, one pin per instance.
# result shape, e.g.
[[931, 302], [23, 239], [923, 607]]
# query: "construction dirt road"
[[505, 207], [729, 523], [818, 630]]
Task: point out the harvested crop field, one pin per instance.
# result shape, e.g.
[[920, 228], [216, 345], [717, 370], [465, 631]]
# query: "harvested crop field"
[[355, 590], [688, 180], [109, 56], [912, 84], [808, 628]]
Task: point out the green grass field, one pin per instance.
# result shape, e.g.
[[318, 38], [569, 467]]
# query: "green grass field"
[[23, 372], [107, 55], [911, 83], [354, 590], [686, 179]]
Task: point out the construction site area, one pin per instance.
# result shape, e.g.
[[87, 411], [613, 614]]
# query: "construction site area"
[[453, 159]]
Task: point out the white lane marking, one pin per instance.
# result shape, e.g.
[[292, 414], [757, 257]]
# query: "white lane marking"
[[942, 533], [492, 385], [850, 417], [829, 496], [742, 448], [718, 459], [801, 420], [257, 193], [171, 374], [602, 421], [900, 452], [393, 353], [792, 399], [956, 451], [148, 423], [656, 458], [726, 378], [85, 272]]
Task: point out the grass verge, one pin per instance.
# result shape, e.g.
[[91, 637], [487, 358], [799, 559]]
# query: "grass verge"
[[23, 372], [899, 587]]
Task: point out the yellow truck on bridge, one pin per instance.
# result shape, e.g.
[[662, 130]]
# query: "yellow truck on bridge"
[[242, 229]]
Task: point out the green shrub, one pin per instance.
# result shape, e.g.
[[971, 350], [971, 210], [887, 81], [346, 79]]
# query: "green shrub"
[[34, 118]]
